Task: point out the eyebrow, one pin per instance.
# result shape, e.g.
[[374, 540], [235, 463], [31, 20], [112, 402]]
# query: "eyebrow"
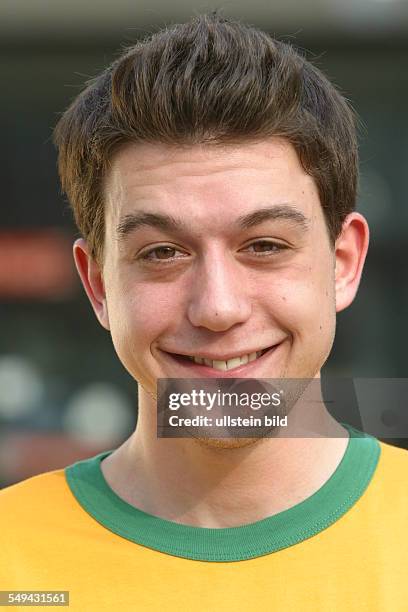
[[134, 221]]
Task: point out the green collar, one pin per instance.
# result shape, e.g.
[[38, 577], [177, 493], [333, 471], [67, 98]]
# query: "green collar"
[[281, 530]]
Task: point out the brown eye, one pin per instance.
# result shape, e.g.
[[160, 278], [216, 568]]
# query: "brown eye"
[[261, 247], [264, 246], [163, 252]]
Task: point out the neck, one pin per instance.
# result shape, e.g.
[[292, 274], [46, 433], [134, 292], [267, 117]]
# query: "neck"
[[192, 482]]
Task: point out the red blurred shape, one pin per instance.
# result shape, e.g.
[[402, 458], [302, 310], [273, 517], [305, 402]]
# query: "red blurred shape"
[[25, 454], [36, 264]]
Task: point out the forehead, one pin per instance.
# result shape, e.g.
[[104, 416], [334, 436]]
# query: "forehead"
[[206, 180]]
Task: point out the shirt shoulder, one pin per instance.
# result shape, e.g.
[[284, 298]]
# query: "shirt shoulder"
[[35, 485], [390, 479], [394, 457], [33, 501]]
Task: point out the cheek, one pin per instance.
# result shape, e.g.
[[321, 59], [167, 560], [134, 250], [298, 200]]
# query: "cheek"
[[135, 322], [304, 302], [317, 311], [139, 315]]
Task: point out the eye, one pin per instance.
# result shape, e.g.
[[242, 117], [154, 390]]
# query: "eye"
[[161, 253], [266, 247]]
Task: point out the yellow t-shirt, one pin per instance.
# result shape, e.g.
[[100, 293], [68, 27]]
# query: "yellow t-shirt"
[[345, 548]]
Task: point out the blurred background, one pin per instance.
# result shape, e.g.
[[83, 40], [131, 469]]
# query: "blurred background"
[[63, 393]]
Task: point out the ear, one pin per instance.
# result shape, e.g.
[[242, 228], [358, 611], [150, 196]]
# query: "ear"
[[92, 280], [350, 252]]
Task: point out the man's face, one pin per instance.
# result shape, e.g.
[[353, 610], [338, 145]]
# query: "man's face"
[[217, 253]]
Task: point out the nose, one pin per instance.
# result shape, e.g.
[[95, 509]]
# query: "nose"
[[219, 299]]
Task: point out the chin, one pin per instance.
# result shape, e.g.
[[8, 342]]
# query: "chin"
[[227, 443]]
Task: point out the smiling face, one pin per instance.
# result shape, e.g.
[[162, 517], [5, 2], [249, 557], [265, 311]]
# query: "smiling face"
[[217, 253]]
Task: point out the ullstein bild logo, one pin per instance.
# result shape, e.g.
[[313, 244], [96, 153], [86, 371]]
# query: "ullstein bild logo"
[[301, 407]]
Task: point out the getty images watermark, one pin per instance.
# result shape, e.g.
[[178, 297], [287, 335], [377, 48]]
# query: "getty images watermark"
[[225, 408], [253, 408], [209, 401]]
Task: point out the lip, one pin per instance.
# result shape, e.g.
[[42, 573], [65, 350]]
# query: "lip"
[[197, 370]]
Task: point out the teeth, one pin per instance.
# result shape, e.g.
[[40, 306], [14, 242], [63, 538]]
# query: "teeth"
[[220, 365], [233, 363], [223, 366]]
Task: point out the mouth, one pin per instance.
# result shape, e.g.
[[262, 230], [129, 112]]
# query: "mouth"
[[236, 366]]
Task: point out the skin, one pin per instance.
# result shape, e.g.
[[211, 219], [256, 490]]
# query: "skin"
[[217, 290]]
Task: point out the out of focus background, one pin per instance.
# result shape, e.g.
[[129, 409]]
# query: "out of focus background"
[[63, 393]]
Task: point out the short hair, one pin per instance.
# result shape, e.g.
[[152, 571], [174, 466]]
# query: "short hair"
[[211, 80]]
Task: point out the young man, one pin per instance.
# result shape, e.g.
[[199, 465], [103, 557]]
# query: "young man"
[[212, 173]]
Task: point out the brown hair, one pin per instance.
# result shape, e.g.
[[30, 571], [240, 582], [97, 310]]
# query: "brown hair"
[[211, 80]]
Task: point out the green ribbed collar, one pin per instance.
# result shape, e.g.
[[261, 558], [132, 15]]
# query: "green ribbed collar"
[[281, 530]]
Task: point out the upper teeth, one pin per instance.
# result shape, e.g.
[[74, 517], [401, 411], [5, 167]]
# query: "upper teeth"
[[227, 364]]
